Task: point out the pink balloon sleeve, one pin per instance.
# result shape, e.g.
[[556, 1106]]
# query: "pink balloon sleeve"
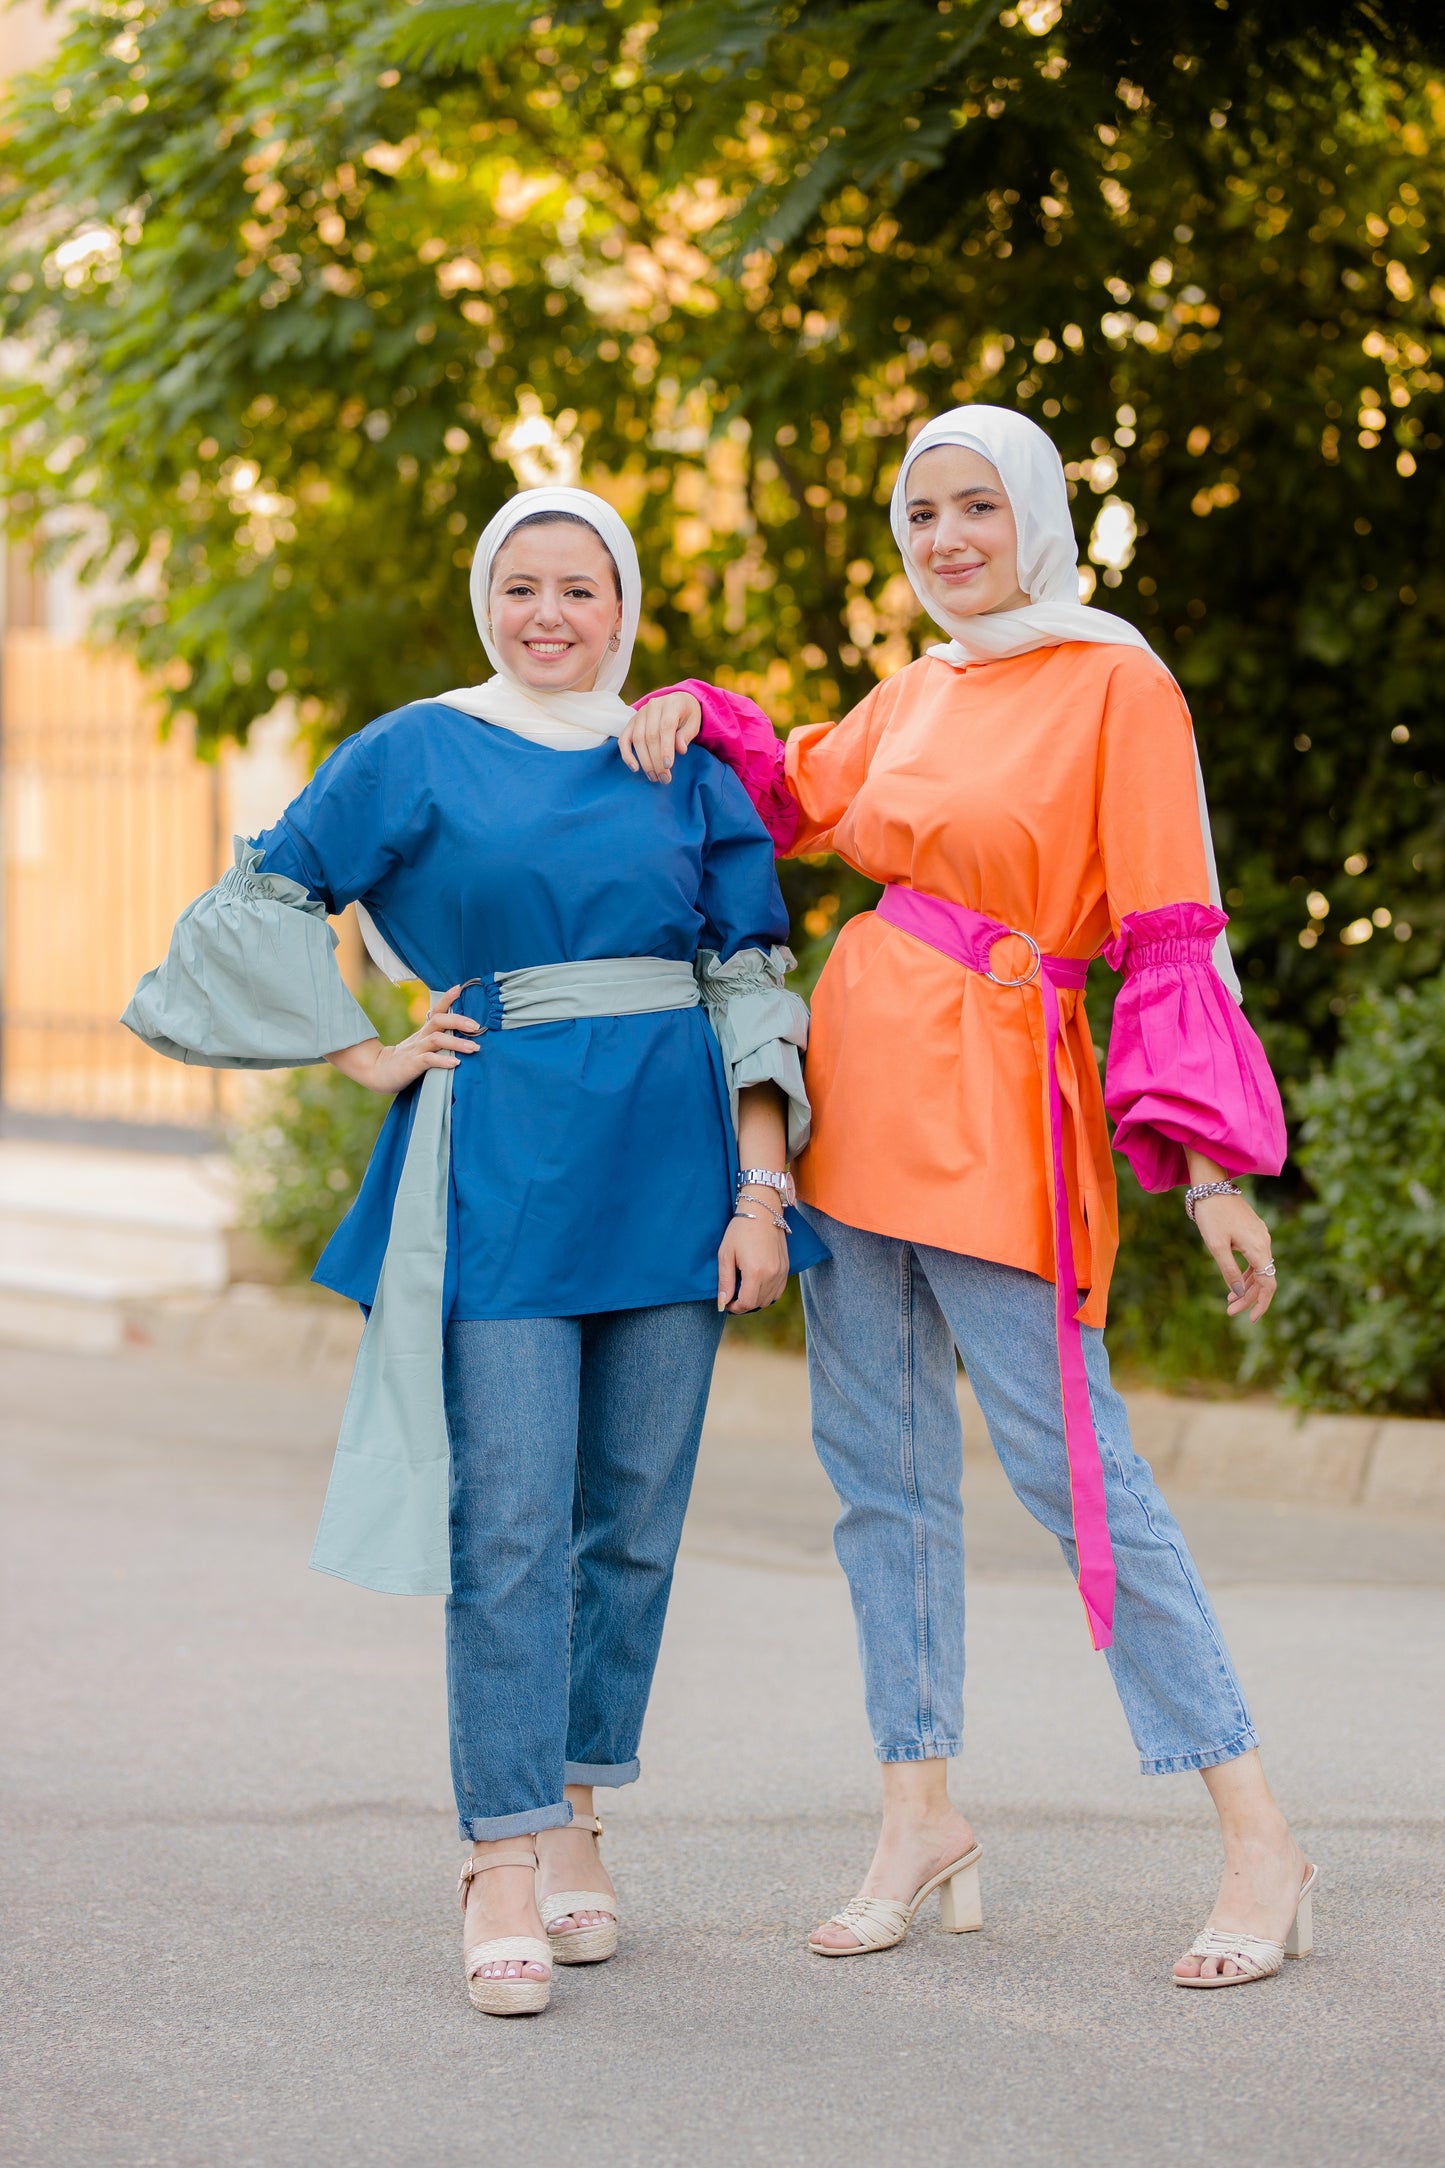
[[738, 733], [1185, 1067]]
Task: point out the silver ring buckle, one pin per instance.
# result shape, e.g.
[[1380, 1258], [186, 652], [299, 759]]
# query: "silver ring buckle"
[[1035, 967]]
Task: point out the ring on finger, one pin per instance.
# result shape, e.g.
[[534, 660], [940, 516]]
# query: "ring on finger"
[[1266, 1272]]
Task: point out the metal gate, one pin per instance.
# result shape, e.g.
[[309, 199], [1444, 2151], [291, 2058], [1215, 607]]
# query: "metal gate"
[[109, 833]]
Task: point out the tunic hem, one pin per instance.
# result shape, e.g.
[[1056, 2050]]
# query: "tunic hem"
[[872, 1222], [645, 1299]]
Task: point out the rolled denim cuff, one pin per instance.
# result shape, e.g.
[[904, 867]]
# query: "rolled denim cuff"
[[920, 1750], [1207, 1757], [486, 1828], [611, 1774]]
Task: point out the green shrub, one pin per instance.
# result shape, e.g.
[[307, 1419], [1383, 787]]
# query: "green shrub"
[[1359, 1320], [303, 1151]]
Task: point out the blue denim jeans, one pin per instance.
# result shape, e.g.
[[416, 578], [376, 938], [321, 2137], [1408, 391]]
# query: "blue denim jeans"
[[574, 1442], [884, 1320]]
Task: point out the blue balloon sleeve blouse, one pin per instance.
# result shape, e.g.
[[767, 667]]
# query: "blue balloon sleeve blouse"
[[593, 1162]]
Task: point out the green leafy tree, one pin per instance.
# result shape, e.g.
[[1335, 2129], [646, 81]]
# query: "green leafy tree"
[[283, 304], [1200, 246], [293, 286]]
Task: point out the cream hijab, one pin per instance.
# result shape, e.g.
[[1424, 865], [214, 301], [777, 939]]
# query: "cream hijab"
[[1032, 475], [568, 722]]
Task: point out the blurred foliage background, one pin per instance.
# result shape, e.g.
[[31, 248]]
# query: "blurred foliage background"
[[303, 1149], [294, 294]]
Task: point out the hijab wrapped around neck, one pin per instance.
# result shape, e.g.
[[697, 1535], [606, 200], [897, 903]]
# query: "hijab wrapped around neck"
[[1032, 475], [568, 722]]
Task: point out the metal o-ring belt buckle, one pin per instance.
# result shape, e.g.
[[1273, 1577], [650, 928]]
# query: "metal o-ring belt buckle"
[[1013, 934]]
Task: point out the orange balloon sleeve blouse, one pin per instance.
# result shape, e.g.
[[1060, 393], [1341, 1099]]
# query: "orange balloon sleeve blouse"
[[1054, 791]]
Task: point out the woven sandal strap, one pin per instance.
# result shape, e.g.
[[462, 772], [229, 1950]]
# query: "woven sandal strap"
[[503, 1948], [874, 1920], [521, 1853], [1251, 1953], [564, 1902]]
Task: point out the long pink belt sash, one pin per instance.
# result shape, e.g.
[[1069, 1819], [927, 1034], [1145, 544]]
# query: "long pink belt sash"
[[970, 938]]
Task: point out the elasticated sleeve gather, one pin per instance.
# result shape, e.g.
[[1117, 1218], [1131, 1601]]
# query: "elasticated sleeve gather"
[[736, 732], [742, 962], [1186, 1069], [761, 1027], [250, 980], [802, 789]]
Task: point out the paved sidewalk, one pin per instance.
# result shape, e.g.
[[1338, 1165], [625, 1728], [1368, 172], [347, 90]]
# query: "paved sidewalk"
[[229, 1845]]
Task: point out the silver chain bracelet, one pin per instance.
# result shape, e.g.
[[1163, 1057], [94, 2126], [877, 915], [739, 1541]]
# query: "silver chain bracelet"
[[776, 1217], [1209, 1189]]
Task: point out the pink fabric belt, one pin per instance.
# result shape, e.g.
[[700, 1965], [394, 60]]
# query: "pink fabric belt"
[[970, 938]]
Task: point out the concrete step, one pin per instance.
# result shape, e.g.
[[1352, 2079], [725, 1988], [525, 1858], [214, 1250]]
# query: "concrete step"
[[76, 1323], [85, 1231]]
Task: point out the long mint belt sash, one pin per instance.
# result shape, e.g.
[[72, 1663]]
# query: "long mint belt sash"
[[386, 1519], [970, 939]]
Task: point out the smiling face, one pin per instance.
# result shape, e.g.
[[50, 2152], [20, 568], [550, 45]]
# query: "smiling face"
[[554, 606], [961, 534]]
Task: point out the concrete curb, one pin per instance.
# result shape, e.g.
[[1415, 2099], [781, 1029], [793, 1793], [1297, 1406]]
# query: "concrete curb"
[[1258, 1449], [1222, 1448]]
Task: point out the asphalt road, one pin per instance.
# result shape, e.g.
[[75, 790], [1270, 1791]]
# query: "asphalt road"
[[229, 1845]]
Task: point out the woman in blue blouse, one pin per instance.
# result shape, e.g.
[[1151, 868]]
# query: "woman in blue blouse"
[[594, 1166]]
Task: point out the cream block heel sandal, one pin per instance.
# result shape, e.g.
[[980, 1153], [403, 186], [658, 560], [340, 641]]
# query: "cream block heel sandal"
[[505, 1998], [880, 1923], [584, 1945], [1255, 1958]]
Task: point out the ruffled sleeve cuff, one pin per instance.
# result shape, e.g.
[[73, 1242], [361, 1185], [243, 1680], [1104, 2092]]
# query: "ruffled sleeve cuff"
[[736, 731], [250, 980], [761, 1027], [1185, 1069]]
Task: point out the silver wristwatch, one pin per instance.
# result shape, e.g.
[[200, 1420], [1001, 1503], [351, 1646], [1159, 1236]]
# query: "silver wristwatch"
[[766, 1178]]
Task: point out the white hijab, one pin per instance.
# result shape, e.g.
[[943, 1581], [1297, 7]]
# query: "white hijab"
[[1033, 480], [568, 722]]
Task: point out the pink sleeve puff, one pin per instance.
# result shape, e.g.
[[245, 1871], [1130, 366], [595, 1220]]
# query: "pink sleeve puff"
[[737, 732], [1185, 1068]]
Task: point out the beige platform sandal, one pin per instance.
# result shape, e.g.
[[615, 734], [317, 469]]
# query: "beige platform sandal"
[[584, 1945], [505, 1998], [880, 1923], [1255, 1958]]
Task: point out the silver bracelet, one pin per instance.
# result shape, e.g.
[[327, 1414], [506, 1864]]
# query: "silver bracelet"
[[768, 1178], [1209, 1189], [776, 1217]]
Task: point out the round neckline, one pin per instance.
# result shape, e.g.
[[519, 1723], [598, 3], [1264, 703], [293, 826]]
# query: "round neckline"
[[516, 737]]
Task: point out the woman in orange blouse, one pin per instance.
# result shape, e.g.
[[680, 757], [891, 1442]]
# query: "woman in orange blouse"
[[1029, 796]]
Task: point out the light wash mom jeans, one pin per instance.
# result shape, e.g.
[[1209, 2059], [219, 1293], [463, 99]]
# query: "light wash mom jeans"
[[574, 1441], [884, 1318]]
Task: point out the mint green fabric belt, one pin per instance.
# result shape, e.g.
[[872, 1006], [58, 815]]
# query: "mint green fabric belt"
[[250, 982], [386, 1519]]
